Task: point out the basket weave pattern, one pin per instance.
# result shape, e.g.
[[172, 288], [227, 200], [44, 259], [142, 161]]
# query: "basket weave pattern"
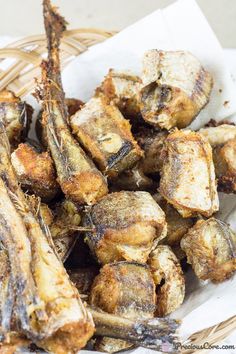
[[19, 76]]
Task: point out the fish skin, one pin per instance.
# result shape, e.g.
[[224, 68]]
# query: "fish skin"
[[78, 177], [126, 289], [210, 246], [16, 116], [188, 175], [175, 87], [106, 135], [127, 226], [165, 266]]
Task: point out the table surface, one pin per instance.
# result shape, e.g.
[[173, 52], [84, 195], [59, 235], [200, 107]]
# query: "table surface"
[[24, 17]]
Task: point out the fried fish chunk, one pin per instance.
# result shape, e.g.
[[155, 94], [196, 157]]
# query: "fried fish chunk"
[[223, 141], [127, 225], [123, 90], [210, 246], [16, 116], [188, 175], [165, 267], [177, 226], [106, 135], [47, 306], [126, 289], [78, 177], [225, 166], [175, 88], [220, 134], [147, 333], [35, 171]]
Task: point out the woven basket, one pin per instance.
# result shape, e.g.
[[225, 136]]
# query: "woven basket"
[[19, 76]]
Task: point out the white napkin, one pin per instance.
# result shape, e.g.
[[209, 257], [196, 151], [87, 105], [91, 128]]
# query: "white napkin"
[[181, 26]]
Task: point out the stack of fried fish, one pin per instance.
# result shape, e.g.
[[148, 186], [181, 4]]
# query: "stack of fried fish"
[[101, 216]]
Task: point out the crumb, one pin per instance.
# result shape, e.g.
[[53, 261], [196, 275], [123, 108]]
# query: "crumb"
[[220, 90], [226, 103]]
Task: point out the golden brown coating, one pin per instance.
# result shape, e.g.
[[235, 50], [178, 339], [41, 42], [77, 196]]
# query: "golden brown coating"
[[35, 171], [225, 166], [106, 135], [188, 175], [175, 88], [16, 116], [165, 267], [123, 90], [127, 226], [78, 177], [126, 289], [211, 249], [16, 343], [177, 226]]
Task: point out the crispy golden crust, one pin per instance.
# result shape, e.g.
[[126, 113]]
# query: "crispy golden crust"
[[225, 165], [14, 343], [175, 88], [125, 289], [165, 267], [127, 226], [188, 176], [35, 171], [106, 135], [211, 249], [219, 134], [123, 90], [16, 117]]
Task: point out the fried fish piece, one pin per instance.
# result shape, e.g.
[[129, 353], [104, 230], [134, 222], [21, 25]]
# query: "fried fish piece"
[[47, 306], [147, 333], [16, 343], [16, 116], [126, 289], [223, 141], [78, 177], [188, 175], [35, 171], [151, 141], [165, 267], [210, 246], [123, 90], [177, 226], [106, 135], [175, 87], [127, 225], [225, 166], [220, 134]]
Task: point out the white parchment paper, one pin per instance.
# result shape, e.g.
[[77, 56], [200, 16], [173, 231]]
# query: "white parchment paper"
[[181, 26]]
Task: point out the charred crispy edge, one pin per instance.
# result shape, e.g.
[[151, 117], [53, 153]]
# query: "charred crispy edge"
[[227, 184], [148, 333]]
